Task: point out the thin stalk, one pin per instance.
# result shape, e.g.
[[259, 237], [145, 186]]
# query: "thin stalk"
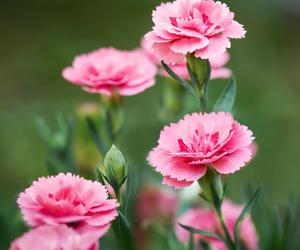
[[230, 244]]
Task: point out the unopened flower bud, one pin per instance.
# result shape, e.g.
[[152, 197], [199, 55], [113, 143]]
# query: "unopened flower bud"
[[115, 167]]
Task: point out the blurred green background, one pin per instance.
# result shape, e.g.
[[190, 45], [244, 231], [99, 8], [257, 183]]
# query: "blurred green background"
[[40, 37]]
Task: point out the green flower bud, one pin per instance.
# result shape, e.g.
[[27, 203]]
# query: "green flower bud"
[[115, 167]]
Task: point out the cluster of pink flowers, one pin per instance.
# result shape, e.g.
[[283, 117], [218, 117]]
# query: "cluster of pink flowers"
[[199, 27], [205, 219], [67, 212], [186, 149], [77, 212]]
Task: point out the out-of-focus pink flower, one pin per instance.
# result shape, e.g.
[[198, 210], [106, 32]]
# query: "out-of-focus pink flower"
[[205, 219], [218, 69], [185, 149], [55, 238], [108, 70], [153, 206], [68, 199], [156, 204], [202, 27], [247, 231], [254, 149], [202, 219]]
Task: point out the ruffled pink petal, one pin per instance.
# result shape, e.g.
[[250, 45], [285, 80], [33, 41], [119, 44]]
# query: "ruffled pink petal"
[[233, 162], [235, 30], [175, 167], [163, 52], [172, 182], [188, 45], [217, 46]]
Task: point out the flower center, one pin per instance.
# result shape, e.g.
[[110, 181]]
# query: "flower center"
[[200, 144]]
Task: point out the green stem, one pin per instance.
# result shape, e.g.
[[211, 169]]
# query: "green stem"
[[230, 244], [202, 103]]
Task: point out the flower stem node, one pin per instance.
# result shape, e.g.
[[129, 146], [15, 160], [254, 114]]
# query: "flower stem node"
[[211, 186]]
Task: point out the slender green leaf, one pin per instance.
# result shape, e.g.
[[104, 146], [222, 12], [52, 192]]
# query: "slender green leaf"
[[99, 176], [217, 200], [206, 84], [245, 212], [130, 189], [191, 242], [183, 82], [201, 232], [227, 98], [109, 126], [192, 75], [204, 245], [173, 242], [96, 136], [124, 233]]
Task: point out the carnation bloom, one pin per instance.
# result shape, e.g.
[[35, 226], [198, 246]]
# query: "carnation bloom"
[[185, 149], [108, 70], [153, 206], [156, 204], [205, 219], [218, 69], [202, 27], [68, 199], [55, 238]]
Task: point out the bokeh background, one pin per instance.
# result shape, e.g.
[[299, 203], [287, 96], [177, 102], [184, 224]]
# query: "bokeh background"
[[40, 37]]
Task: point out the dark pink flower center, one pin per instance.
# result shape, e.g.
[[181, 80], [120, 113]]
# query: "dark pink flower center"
[[66, 197], [200, 143]]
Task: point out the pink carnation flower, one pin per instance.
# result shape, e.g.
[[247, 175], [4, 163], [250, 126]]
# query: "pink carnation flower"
[[218, 69], [204, 219], [185, 149], [107, 70], [68, 199], [55, 238], [202, 27], [156, 204]]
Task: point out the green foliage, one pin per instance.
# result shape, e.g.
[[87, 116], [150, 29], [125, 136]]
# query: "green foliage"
[[59, 144], [183, 82], [227, 98], [123, 232], [201, 232], [245, 212], [278, 227]]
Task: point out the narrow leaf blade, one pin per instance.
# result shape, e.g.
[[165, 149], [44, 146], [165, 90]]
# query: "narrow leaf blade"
[[125, 233], [245, 212], [96, 136], [183, 82], [227, 98], [191, 243], [201, 232]]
